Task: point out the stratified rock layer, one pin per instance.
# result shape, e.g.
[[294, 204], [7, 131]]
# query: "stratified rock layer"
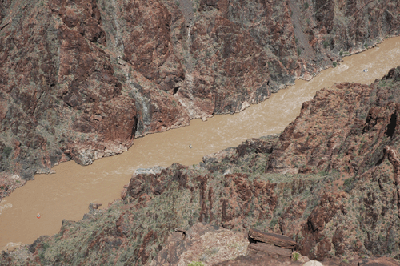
[[274, 239]]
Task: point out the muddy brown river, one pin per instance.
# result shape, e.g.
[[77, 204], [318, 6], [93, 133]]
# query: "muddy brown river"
[[67, 194]]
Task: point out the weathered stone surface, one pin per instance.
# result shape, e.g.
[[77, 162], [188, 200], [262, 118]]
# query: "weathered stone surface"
[[262, 249], [341, 206], [383, 261], [8, 183], [94, 206], [201, 243], [59, 87], [358, 118], [271, 238], [258, 260], [313, 263], [393, 157], [80, 80]]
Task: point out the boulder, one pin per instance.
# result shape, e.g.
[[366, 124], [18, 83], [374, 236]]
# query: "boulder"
[[271, 238], [313, 263]]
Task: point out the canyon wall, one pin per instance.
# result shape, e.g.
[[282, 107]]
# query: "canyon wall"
[[334, 191], [79, 80]]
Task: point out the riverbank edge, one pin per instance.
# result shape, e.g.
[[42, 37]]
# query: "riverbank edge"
[[9, 181]]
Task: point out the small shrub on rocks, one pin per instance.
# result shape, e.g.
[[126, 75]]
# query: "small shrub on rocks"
[[196, 263], [296, 256]]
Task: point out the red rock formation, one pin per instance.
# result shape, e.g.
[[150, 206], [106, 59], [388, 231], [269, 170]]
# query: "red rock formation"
[[312, 234], [80, 80], [337, 214], [271, 238], [363, 126], [394, 160]]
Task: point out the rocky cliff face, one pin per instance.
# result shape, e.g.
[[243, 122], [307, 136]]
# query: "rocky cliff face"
[[59, 94], [334, 191], [80, 79]]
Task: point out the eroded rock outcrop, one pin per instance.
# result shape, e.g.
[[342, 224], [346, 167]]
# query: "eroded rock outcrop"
[[267, 249], [331, 214], [394, 160], [80, 80], [60, 96], [201, 242]]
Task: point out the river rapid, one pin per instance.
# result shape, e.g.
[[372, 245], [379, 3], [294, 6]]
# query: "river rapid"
[[68, 193]]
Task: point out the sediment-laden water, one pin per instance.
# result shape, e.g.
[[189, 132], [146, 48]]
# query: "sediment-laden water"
[[67, 194]]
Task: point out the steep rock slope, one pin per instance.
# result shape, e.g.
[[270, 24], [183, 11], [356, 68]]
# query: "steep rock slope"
[[80, 79], [338, 199], [59, 89]]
